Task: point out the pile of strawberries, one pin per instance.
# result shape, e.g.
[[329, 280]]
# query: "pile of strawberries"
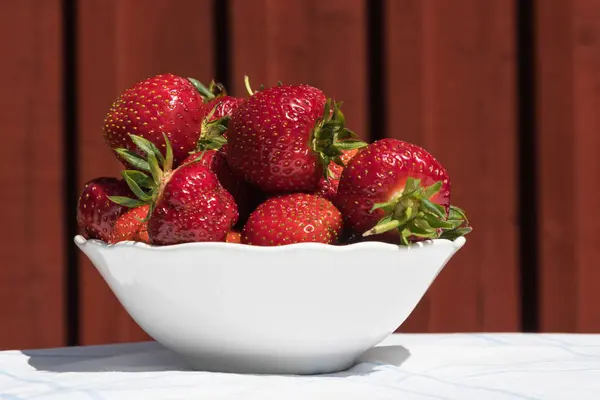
[[275, 168]]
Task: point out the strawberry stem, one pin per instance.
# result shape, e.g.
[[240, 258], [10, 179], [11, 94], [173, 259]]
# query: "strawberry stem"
[[247, 85]]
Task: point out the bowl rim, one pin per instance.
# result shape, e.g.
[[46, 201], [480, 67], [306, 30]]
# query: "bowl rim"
[[371, 245]]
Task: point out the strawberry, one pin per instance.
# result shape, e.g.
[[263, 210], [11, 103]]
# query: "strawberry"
[[233, 237], [96, 214], [400, 192], [187, 204], [165, 104], [246, 196], [131, 226], [293, 218], [328, 186], [282, 139]]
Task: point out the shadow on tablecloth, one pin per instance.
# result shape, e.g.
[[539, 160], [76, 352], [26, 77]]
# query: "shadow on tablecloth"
[[151, 357]]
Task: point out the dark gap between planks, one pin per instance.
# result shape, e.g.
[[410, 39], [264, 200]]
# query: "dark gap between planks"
[[376, 70], [70, 170], [222, 48], [527, 202]]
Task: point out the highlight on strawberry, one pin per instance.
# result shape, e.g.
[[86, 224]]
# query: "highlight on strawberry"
[[274, 168]]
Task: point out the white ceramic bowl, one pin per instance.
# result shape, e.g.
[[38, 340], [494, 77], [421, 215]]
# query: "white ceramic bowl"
[[298, 309]]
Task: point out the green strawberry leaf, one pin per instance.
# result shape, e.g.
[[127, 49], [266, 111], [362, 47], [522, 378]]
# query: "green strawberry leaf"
[[135, 188], [350, 144], [140, 178], [206, 94], [168, 164], [456, 233], [384, 225], [404, 236], [133, 159], [387, 207], [411, 186], [432, 190], [430, 207], [126, 201], [457, 213], [147, 147], [155, 170]]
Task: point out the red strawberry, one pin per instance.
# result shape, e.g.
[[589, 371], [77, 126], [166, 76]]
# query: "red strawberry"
[[187, 204], [246, 196], [399, 190], [192, 207], [131, 226], [233, 237], [162, 104], [293, 218], [96, 214], [282, 139], [328, 186]]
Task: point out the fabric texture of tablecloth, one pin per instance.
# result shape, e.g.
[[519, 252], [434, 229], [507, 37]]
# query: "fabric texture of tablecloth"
[[405, 366]]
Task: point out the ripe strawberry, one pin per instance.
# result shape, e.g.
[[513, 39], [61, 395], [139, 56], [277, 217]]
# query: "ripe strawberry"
[[328, 187], [283, 139], [187, 204], [131, 226], [246, 196], [293, 218], [162, 104], [233, 237], [399, 190], [193, 207], [96, 214]]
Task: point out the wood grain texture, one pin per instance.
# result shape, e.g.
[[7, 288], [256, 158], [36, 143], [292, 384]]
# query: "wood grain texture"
[[568, 44], [122, 42], [31, 204], [451, 88], [313, 42]]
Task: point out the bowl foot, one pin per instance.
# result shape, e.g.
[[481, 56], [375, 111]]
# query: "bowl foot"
[[281, 365]]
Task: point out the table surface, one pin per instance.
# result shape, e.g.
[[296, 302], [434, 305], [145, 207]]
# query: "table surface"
[[405, 366]]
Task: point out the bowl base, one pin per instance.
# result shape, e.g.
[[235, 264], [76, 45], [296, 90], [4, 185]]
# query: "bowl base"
[[265, 365]]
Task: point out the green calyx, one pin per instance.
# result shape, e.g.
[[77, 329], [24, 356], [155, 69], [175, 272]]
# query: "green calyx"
[[211, 132], [149, 179], [211, 92], [330, 138], [413, 214]]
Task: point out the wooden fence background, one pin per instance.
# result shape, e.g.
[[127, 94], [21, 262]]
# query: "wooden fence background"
[[505, 93]]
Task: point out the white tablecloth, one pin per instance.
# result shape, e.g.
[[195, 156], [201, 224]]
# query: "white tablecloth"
[[453, 366]]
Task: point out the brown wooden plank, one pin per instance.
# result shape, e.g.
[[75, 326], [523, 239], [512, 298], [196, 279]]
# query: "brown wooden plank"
[[31, 205], [451, 88], [318, 43], [568, 103], [120, 43]]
